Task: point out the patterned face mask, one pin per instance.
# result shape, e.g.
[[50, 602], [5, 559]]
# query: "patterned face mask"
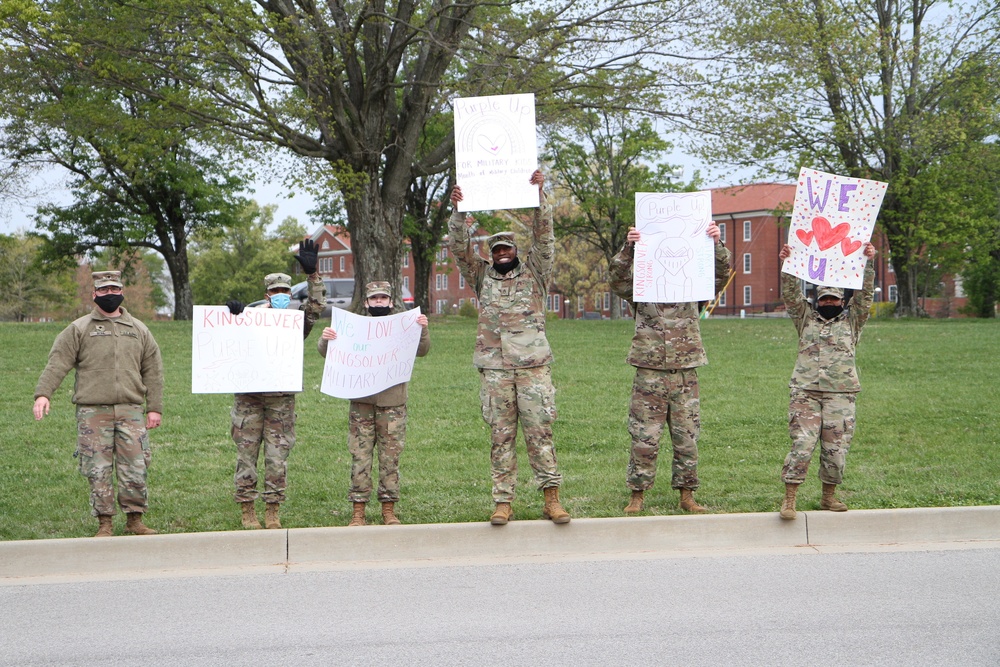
[[280, 300]]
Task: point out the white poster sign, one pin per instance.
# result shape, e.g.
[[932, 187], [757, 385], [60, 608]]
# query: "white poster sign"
[[675, 256], [370, 353], [258, 350], [496, 152], [832, 218]]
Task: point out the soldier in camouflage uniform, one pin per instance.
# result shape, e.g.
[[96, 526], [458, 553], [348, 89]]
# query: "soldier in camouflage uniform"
[[824, 384], [118, 367], [378, 421], [666, 352], [269, 417], [512, 353]]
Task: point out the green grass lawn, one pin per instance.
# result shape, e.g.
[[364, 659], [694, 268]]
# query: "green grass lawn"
[[928, 432]]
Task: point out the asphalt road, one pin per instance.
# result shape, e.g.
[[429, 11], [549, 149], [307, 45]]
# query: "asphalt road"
[[891, 608]]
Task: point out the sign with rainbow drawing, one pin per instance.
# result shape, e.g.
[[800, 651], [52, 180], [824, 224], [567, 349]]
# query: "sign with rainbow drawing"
[[496, 151], [832, 219]]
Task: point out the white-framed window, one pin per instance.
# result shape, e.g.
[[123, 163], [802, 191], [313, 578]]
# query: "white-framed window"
[[597, 302], [624, 306], [722, 232], [746, 262], [461, 302], [747, 230], [747, 295], [722, 299], [440, 306], [406, 282], [581, 304], [461, 281], [406, 259], [473, 301], [442, 255], [607, 301], [342, 263], [892, 293], [552, 303], [438, 281], [444, 281], [326, 244], [326, 265]]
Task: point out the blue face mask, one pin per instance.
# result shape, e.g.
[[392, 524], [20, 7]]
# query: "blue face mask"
[[280, 300]]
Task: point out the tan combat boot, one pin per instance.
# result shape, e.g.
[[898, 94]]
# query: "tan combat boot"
[[689, 504], [106, 528], [271, 519], [135, 525], [553, 509], [358, 517], [788, 504], [829, 501], [635, 504], [250, 515], [502, 514], [389, 517]]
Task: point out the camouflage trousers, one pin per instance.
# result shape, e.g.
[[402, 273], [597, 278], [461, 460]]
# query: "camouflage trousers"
[[369, 428], [525, 395], [269, 419], [113, 436], [659, 398], [824, 417]]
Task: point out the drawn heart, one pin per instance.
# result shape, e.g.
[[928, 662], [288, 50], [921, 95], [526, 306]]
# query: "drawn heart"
[[674, 259], [407, 321], [826, 237], [804, 236], [494, 146], [849, 245]]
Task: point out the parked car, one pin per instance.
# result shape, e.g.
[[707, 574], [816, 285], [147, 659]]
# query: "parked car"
[[339, 292]]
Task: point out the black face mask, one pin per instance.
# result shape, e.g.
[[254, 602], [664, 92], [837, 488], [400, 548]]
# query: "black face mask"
[[109, 302], [506, 267], [379, 311], [829, 312]]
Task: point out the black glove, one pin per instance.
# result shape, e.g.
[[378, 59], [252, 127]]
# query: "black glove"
[[307, 256], [235, 307]]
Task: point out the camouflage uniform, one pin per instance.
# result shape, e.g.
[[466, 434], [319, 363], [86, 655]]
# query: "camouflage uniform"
[[512, 352], [825, 383], [269, 418], [666, 350], [118, 367], [378, 421]]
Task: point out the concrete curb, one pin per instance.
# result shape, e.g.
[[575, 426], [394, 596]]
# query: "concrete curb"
[[279, 550]]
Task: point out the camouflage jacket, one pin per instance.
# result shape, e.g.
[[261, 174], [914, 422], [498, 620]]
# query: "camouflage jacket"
[[667, 335], [511, 332], [826, 348], [313, 308], [396, 394], [116, 361]]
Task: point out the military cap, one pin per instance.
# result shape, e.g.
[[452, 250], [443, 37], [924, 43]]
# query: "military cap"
[[829, 291], [502, 238], [107, 279], [277, 280], [378, 287]]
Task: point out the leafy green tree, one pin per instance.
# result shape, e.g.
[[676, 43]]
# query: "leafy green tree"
[[231, 262], [31, 288], [600, 159], [142, 175], [879, 89]]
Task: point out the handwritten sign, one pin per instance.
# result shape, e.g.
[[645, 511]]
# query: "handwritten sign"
[[832, 218], [675, 256], [258, 350], [370, 353], [496, 151]]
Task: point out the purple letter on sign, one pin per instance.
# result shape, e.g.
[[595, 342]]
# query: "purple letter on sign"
[[820, 272], [845, 190]]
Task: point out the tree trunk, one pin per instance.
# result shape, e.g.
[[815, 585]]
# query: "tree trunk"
[[423, 264], [907, 304], [376, 226]]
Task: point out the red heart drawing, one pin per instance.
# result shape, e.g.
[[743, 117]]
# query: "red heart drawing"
[[826, 237], [849, 245], [804, 236], [407, 321]]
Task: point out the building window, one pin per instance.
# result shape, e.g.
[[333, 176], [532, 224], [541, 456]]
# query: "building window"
[[892, 293], [746, 262], [326, 245], [326, 265], [444, 281], [341, 264], [461, 281], [442, 255], [406, 260], [607, 301], [552, 303], [747, 235], [472, 300], [624, 306], [406, 282], [461, 302], [580, 304], [722, 232], [747, 295], [722, 298], [440, 305], [437, 281]]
